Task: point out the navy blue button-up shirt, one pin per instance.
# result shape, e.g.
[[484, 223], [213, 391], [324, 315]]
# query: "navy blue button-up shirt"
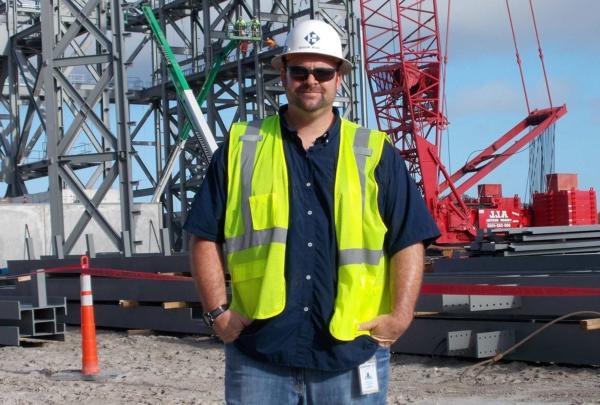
[[299, 336]]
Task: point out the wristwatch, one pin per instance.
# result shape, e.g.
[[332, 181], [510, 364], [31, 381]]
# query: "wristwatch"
[[210, 316]]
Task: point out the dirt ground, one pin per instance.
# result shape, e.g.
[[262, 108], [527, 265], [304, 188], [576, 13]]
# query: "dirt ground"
[[158, 369]]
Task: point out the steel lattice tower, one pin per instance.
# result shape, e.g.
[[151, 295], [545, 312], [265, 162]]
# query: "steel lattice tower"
[[86, 90]]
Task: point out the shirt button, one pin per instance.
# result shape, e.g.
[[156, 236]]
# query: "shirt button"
[[308, 277], [305, 309], [309, 212], [309, 244], [308, 184]]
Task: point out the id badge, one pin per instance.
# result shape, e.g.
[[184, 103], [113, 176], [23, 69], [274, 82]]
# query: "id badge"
[[367, 373]]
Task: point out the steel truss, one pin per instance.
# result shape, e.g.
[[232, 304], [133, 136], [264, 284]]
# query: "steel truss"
[[72, 96]]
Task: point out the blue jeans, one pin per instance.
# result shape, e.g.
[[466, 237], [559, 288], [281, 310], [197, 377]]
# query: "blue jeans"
[[250, 382]]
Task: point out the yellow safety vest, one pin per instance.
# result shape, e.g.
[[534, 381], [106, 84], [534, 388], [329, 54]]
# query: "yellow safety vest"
[[257, 220]]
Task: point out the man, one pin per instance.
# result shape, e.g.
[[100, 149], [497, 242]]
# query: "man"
[[323, 234]]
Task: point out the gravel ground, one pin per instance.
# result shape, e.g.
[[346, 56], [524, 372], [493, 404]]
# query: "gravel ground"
[[160, 369]]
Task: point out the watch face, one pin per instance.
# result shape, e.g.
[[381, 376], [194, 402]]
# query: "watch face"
[[208, 320]]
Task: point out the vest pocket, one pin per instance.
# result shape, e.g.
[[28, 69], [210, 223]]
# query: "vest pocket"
[[262, 210], [247, 280], [362, 294], [258, 284]]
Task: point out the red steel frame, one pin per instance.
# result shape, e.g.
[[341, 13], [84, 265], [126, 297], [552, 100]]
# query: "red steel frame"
[[403, 62]]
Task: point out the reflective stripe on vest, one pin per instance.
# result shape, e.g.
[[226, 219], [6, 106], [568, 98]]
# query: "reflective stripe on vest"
[[357, 256]]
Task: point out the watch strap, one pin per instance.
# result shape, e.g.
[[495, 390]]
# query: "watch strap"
[[210, 316]]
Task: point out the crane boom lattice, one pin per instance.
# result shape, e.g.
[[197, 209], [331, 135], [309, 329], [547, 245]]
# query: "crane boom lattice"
[[403, 61]]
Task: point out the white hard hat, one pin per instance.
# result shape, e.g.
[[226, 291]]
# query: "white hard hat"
[[316, 37]]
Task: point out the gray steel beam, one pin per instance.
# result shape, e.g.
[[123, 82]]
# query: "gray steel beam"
[[91, 249], [57, 247], [10, 309], [563, 343], [108, 290], [122, 115], [165, 242], [562, 246], [9, 336], [540, 252], [547, 237], [542, 230], [82, 60], [89, 158], [521, 265], [543, 307], [48, 19], [38, 290], [183, 320], [29, 249], [15, 184]]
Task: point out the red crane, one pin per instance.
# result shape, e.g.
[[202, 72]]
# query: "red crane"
[[403, 61]]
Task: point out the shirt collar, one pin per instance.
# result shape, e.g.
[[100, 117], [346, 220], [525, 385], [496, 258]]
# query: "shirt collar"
[[291, 133]]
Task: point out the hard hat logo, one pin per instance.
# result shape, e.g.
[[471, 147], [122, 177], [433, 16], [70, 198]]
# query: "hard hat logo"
[[312, 38]]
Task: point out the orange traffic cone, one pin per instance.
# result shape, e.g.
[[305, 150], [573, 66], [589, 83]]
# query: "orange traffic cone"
[[88, 324]]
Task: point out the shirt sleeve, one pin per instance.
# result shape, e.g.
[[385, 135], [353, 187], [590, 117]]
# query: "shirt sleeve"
[[206, 217], [401, 205]]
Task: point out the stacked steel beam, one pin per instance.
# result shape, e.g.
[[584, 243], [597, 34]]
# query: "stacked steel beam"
[[155, 304], [462, 325], [31, 316], [483, 326], [547, 240]]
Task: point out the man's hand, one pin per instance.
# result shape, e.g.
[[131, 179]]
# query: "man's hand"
[[386, 329], [229, 325]]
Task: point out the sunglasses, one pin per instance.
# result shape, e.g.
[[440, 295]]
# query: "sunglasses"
[[300, 73]]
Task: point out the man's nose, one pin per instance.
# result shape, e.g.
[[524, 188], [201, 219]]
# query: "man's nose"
[[311, 78]]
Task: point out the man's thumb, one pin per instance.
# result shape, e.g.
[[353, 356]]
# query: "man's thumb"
[[367, 325]]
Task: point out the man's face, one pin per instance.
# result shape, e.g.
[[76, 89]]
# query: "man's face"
[[307, 92]]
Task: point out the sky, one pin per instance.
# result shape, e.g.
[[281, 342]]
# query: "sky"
[[483, 87]]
